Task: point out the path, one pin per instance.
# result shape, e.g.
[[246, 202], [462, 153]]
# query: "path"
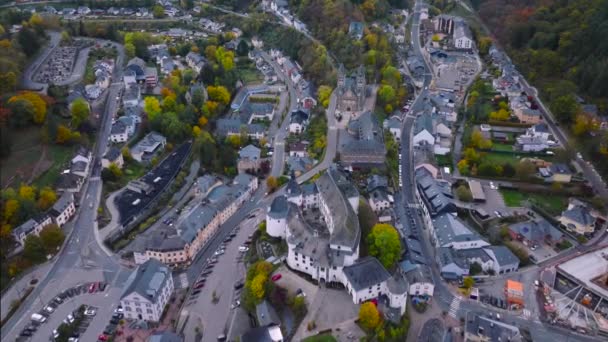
[[39, 164]]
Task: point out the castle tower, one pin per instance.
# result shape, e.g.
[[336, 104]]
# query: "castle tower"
[[341, 76], [360, 79]]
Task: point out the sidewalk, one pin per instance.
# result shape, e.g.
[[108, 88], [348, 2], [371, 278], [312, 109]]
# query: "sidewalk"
[[19, 287]]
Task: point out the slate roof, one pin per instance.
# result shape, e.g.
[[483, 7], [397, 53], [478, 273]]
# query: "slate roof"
[[69, 181], [299, 117], [397, 284], [376, 181], [492, 329], [366, 272], [148, 280], [536, 230], [279, 208], [118, 127], [199, 217], [503, 255], [334, 191], [560, 168], [449, 228], [112, 154], [266, 314], [579, 214], [250, 152], [165, 336], [423, 122], [437, 195], [541, 128]]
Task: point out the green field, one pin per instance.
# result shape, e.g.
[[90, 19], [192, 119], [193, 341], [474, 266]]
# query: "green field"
[[320, 338], [553, 204], [500, 158], [502, 147], [60, 157]]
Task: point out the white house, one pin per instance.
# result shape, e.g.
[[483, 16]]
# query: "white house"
[[298, 121], [63, 210], [462, 36], [394, 126], [147, 292], [31, 226], [380, 200], [119, 132]]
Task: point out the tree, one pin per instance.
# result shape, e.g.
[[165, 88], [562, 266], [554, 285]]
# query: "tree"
[[33, 249], [484, 45], [116, 171], [242, 49], [468, 282], [22, 112], [152, 107], [219, 94], [11, 209], [27, 192], [464, 194], [158, 11], [52, 238], [65, 135], [323, 95], [582, 124], [525, 170], [272, 183], [369, 317], [565, 107], [478, 141], [130, 50], [384, 243], [475, 269], [46, 198], [37, 102], [80, 112], [257, 286], [500, 115]]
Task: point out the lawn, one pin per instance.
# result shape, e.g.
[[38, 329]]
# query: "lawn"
[[250, 75], [502, 147], [553, 204], [60, 157], [500, 158], [320, 338]]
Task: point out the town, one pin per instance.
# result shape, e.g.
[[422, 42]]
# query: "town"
[[310, 171]]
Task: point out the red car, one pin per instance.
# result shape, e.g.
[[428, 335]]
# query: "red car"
[[276, 277], [102, 337], [199, 285], [92, 287]]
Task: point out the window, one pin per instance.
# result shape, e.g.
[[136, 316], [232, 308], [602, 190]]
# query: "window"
[[128, 308], [138, 310], [149, 311], [137, 304], [148, 305]]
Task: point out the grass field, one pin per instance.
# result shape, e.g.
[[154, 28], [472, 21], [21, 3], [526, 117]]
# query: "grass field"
[[553, 204], [60, 157], [320, 338], [500, 158], [25, 152], [502, 147]]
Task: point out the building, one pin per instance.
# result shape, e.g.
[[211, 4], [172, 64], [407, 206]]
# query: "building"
[[114, 155], [195, 61], [393, 124], [480, 328], [266, 314], [577, 218], [588, 271], [449, 231], [535, 232], [351, 90], [148, 147], [364, 146], [355, 29], [514, 292], [118, 133], [528, 115], [556, 173], [31, 226], [249, 159], [435, 196], [463, 39], [419, 278], [69, 182], [165, 336], [444, 24], [325, 245], [424, 133], [380, 199], [477, 191], [298, 121], [270, 333], [148, 291], [298, 149], [64, 209]]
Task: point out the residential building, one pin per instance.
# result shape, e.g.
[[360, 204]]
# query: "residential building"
[[355, 29], [69, 182], [365, 147], [249, 159], [63, 209], [131, 96], [577, 218], [535, 232], [444, 23], [424, 134], [299, 165], [148, 147], [479, 328], [270, 333], [298, 121], [528, 115], [31, 226], [266, 314], [463, 39], [195, 61], [114, 155], [134, 72], [435, 196], [147, 292], [419, 278], [165, 336], [393, 124], [449, 231], [351, 90], [229, 127], [380, 200], [118, 132], [514, 291], [298, 149], [556, 173]]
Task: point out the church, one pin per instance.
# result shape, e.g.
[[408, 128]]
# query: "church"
[[351, 90]]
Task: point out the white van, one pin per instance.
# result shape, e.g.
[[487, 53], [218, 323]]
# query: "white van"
[[38, 318]]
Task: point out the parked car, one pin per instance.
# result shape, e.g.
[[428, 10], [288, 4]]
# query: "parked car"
[[102, 337], [92, 287], [199, 285], [90, 312], [195, 293], [276, 277]]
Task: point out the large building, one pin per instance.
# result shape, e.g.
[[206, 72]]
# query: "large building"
[[351, 90], [148, 291], [326, 247], [364, 145]]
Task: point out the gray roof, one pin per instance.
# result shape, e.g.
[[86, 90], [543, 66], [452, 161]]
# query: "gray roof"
[[423, 122], [397, 284], [112, 154], [580, 214], [293, 188], [243, 179], [493, 330], [165, 336], [461, 29], [449, 228], [536, 230], [298, 116], [376, 181], [437, 195], [279, 208], [266, 314], [148, 280], [309, 189], [118, 127], [198, 218], [79, 166], [560, 168], [541, 128], [335, 189], [503, 255], [250, 152], [366, 272], [68, 181], [299, 164], [205, 183]]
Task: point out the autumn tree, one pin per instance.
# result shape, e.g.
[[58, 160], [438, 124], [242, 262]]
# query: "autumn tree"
[[323, 95], [500, 115], [37, 102], [464, 194], [272, 183], [525, 170], [46, 198], [65, 135], [52, 238], [80, 112], [152, 107], [468, 282], [219, 94], [384, 243], [369, 317]]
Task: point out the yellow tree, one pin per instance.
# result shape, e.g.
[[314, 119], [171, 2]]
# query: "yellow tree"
[[152, 107], [37, 102], [46, 198], [369, 317], [323, 94], [272, 183], [27, 192], [196, 131], [219, 94], [257, 286], [11, 208]]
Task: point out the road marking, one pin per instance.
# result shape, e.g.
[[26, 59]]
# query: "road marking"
[[526, 313], [454, 306]]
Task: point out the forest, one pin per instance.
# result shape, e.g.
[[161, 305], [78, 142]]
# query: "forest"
[[561, 48]]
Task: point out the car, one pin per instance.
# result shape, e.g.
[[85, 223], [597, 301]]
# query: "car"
[[493, 186], [118, 315], [195, 293], [102, 286], [57, 300], [55, 333], [49, 309], [236, 304], [119, 310], [276, 277], [243, 248], [26, 333], [579, 155], [31, 328], [114, 320], [92, 287], [102, 337], [73, 339], [239, 285], [199, 285], [497, 213], [69, 319], [90, 312]]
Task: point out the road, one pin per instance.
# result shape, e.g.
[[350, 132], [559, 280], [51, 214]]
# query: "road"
[[443, 297], [84, 255]]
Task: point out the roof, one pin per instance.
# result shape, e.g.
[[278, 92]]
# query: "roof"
[[298, 116], [148, 143], [423, 122], [278, 208], [397, 284], [148, 280], [514, 285], [437, 195], [366, 272], [586, 268], [560, 168], [448, 229], [536, 230], [266, 314], [165, 336], [69, 181], [118, 127], [250, 152], [263, 334], [503, 255], [334, 189], [476, 190], [79, 166], [461, 30], [376, 181], [112, 154], [197, 218], [492, 329], [579, 214], [541, 128]]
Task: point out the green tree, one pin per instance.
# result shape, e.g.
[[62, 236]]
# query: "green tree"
[[158, 11], [46, 198], [116, 171], [369, 317], [565, 107], [80, 112], [464, 194], [219, 94], [33, 249], [22, 113], [384, 244], [525, 170], [52, 238], [152, 107], [242, 49], [475, 269], [323, 95]]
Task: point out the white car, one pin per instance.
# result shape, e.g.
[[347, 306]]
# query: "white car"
[[493, 186], [119, 310], [90, 312], [69, 319], [55, 333]]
